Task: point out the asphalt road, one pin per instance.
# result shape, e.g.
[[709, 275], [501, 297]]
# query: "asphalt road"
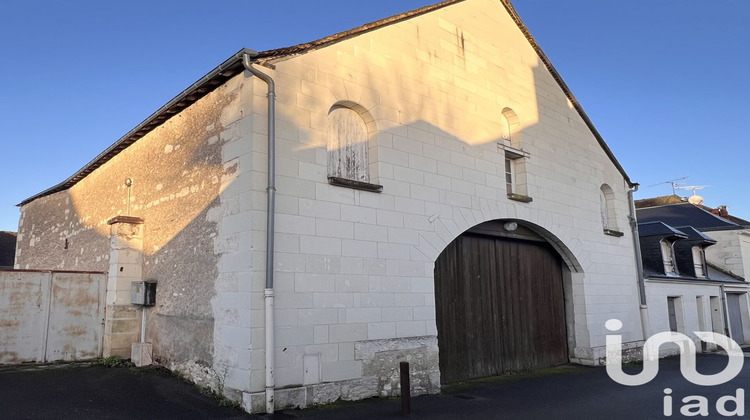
[[566, 392], [98, 392]]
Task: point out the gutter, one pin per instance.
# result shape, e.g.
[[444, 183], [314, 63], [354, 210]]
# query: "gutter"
[[638, 260], [270, 213]]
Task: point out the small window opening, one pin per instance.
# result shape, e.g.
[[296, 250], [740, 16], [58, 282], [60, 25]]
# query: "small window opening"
[[667, 254], [699, 261]]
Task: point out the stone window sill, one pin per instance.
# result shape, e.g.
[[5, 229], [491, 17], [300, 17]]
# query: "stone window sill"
[[357, 185], [520, 197], [611, 232]]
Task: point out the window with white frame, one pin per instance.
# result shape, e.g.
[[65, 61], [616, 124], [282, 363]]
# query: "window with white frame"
[[699, 261], [516, 179], [667, 255], [509, 175]]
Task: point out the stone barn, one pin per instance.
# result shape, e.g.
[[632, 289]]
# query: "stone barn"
[[436, 195]]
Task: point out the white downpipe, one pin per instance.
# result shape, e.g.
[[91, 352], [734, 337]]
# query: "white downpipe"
[[644, 322], [643, 307], [270, 232], [143, 324], [268, 297]]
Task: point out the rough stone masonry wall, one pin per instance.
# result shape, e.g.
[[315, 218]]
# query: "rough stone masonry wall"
[[178, 173]]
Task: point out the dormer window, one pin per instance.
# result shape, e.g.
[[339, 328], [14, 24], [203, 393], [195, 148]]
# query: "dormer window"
[[699, 261], [667, 255]]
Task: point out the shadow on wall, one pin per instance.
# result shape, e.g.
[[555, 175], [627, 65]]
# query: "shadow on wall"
[[7, 249], [177, 174], [454, 143]]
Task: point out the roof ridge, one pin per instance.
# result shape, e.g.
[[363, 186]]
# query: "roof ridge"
[[350, 33], [233, 66]]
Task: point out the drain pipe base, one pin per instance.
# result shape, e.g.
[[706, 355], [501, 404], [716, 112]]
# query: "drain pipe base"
[[268, 297]]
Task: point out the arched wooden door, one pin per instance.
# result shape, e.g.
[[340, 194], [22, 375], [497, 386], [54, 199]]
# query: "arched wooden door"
[[499, 307]]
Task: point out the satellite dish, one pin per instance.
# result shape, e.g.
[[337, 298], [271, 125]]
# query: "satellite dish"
[[695, 200]]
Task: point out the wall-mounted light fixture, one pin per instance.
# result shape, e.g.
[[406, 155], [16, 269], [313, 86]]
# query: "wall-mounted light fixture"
[[128, 183]]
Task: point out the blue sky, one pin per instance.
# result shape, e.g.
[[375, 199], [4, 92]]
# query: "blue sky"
[[665, 82]]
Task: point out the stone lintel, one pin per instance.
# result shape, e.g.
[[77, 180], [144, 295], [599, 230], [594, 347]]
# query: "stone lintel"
[[125, 219]]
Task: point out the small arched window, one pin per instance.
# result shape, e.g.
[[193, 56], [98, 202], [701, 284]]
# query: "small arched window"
[[505, 129], [607, 210], [347, 145], [510, 127]]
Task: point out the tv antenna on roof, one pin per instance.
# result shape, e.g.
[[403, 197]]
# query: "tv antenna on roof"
[[694, 199], [691, 187], [673, 182]]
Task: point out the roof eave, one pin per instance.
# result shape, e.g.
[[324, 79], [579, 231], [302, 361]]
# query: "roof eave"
[[568, 93], [233, 66], [324, 42]]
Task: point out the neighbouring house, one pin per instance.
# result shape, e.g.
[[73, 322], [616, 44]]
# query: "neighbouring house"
[[437, 196], [7, 249], [694, 258]]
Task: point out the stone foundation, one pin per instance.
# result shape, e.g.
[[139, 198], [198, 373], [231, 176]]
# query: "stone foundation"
[[121, 330], [380, 376], [306, 396], [631, 351], [381, 358]]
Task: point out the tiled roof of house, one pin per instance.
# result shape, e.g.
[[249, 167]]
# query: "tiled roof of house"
[[234, 66], [714, 276], [658, 229], [737, 220], [685, 214], [658, 201], [693, 235], [722, 212], [717, 273]]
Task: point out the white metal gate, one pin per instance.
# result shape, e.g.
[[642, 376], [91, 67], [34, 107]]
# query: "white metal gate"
[[48, 316]]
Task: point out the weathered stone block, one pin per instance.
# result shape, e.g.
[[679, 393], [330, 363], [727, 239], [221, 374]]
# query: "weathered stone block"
[[325, 393], [381, 358], [291, 398], [358, 389], [140, 354]]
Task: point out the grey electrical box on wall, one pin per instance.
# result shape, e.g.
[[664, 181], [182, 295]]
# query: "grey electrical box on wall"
[[143, 293]]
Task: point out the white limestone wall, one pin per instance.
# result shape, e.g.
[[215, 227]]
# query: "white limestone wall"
[[691, 319], [731, 251], [355, 266], [234, 301], [744, 306], [694, 309]]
